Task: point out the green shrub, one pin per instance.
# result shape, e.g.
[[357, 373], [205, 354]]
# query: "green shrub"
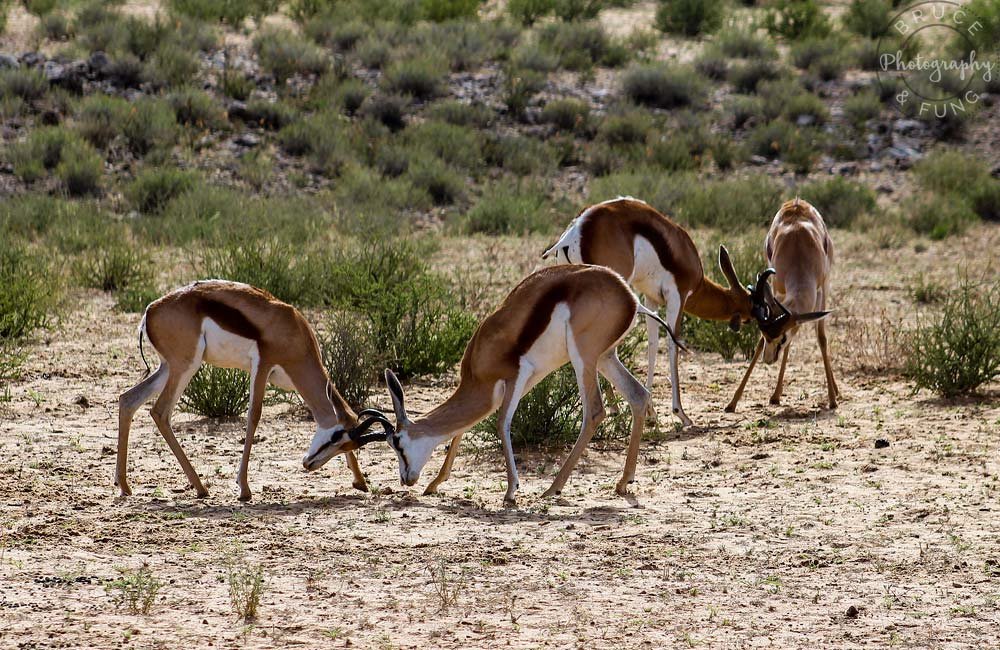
[[387, 109], [172, 65], [350, 354], [441, 183], [580, 46], [196, 108], [271, 115], [80, 168], [531, 56], [839, 200], [55, 26], [689, 17], [135, 298], [41, 152], [270, 264], [948, 171], [26, 83], [787, 142], [328, 30], [373, 53], [805, 105], [442, 10], [663, 86], [520, 86], [748, 76], [149, 123], [567, 114], [458, 146], [421, 77], [414, 316], [99, 119], [745, 109], [862, 107], [231, 12], [806, 52], [986, 37], [284, 54], [715, 336], [869, 18], [628, 126], [29, 291], [743, 42], [126, 70], [507, 210], [115, 265], [135, 590], [984, 197], [155, 187], [938, 216], [527, 12], [958, 350], [236, 84], [712, 63], [795, 19], [217, 392], [461, 113]]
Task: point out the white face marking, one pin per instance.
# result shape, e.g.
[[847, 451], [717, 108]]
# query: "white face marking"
[[413, 454], [315, 458], [227, 350]]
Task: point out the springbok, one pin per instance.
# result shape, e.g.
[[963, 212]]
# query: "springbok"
[[658, 258], [565, 313], [234, 325], [799, 249]]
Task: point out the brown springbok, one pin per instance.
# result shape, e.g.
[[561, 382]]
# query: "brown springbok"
[[658, 258], [566, 313], [799, 249], [234, 325]]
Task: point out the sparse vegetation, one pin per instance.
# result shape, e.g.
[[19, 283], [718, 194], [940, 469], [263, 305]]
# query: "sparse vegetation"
[[135, 590], [217, 392]]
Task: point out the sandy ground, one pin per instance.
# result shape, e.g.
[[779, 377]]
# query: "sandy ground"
[[756, 529]]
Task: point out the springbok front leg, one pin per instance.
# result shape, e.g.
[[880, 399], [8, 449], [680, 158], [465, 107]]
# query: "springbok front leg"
[[445, 473], [674, 317], [731, 407], [831, 384], [779, 388], [162, 409], [128, 403], [638, 398], [258, 386], [359, 482], [512, 396]]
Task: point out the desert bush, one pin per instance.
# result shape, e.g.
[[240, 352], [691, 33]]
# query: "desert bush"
[[56, 27], [415, 318], [271, 115], [581, 45], [172, 65], [284, 54], [957, 350], [869, 18], [126, 71], [984, 197], [155, 187], [987, 37], [114, 265], [442, 10], [134, 590], [41, 152], [197, 108], [461, 113], [662, 86], [351, 356], [149, 123], [270, 264], [373, 53], [948, 171], [805, 108], [689, 17], [509, 210], [712, 63], [231, 12], [518, 154], [458, 146], [421, 77], [925, 290], [715, 336], [387, 109], [862, 107], [441, 183], [744, 42], [531, 56], [29, 290], [246, 585], [329, 30], [134, 299], [26, 83], [795, 19], [80, 168], [520, 86], [938, 216], [745, 110], [567, 114], [236, 84], [839, 200], [746, 77], [626, 126], [787, 142], [527, 12], [806, 52], [99, 119], [217, 392]]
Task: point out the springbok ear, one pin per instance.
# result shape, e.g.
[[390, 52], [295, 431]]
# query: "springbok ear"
[[811, 316], [396, 393], [726, 266]]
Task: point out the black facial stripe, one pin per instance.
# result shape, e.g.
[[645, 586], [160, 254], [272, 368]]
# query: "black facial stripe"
[[402, 454], [565, 251], [334, 438]]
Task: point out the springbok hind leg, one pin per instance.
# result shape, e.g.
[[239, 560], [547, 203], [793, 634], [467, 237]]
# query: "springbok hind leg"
[[593, 414], [128, 403], [638, 398], [776, 395], [831, 384], [161, 411]]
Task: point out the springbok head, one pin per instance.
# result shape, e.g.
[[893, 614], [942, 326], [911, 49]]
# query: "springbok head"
[[777, 324]]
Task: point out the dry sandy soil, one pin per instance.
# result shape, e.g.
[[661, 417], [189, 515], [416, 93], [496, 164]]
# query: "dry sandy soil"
[[756, 529]]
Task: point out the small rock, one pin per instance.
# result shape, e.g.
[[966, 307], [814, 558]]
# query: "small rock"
[[852, 612], [8, 62], [881, 443], [82, 400], [885, 188], [758, 160], [98, 63], [238, 110], [904, 155], [905, 126], [875, 167], [805, 120], [32, 59], [247, 140], [847, 169]]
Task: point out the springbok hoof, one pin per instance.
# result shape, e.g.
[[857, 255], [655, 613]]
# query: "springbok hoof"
[[360, 485], [621, 489], [775, 401], [509, 502], [431, 489], [731, 407], [551, 492]]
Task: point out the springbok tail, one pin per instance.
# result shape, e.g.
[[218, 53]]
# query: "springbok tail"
[[142, 353], [652, 314]]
